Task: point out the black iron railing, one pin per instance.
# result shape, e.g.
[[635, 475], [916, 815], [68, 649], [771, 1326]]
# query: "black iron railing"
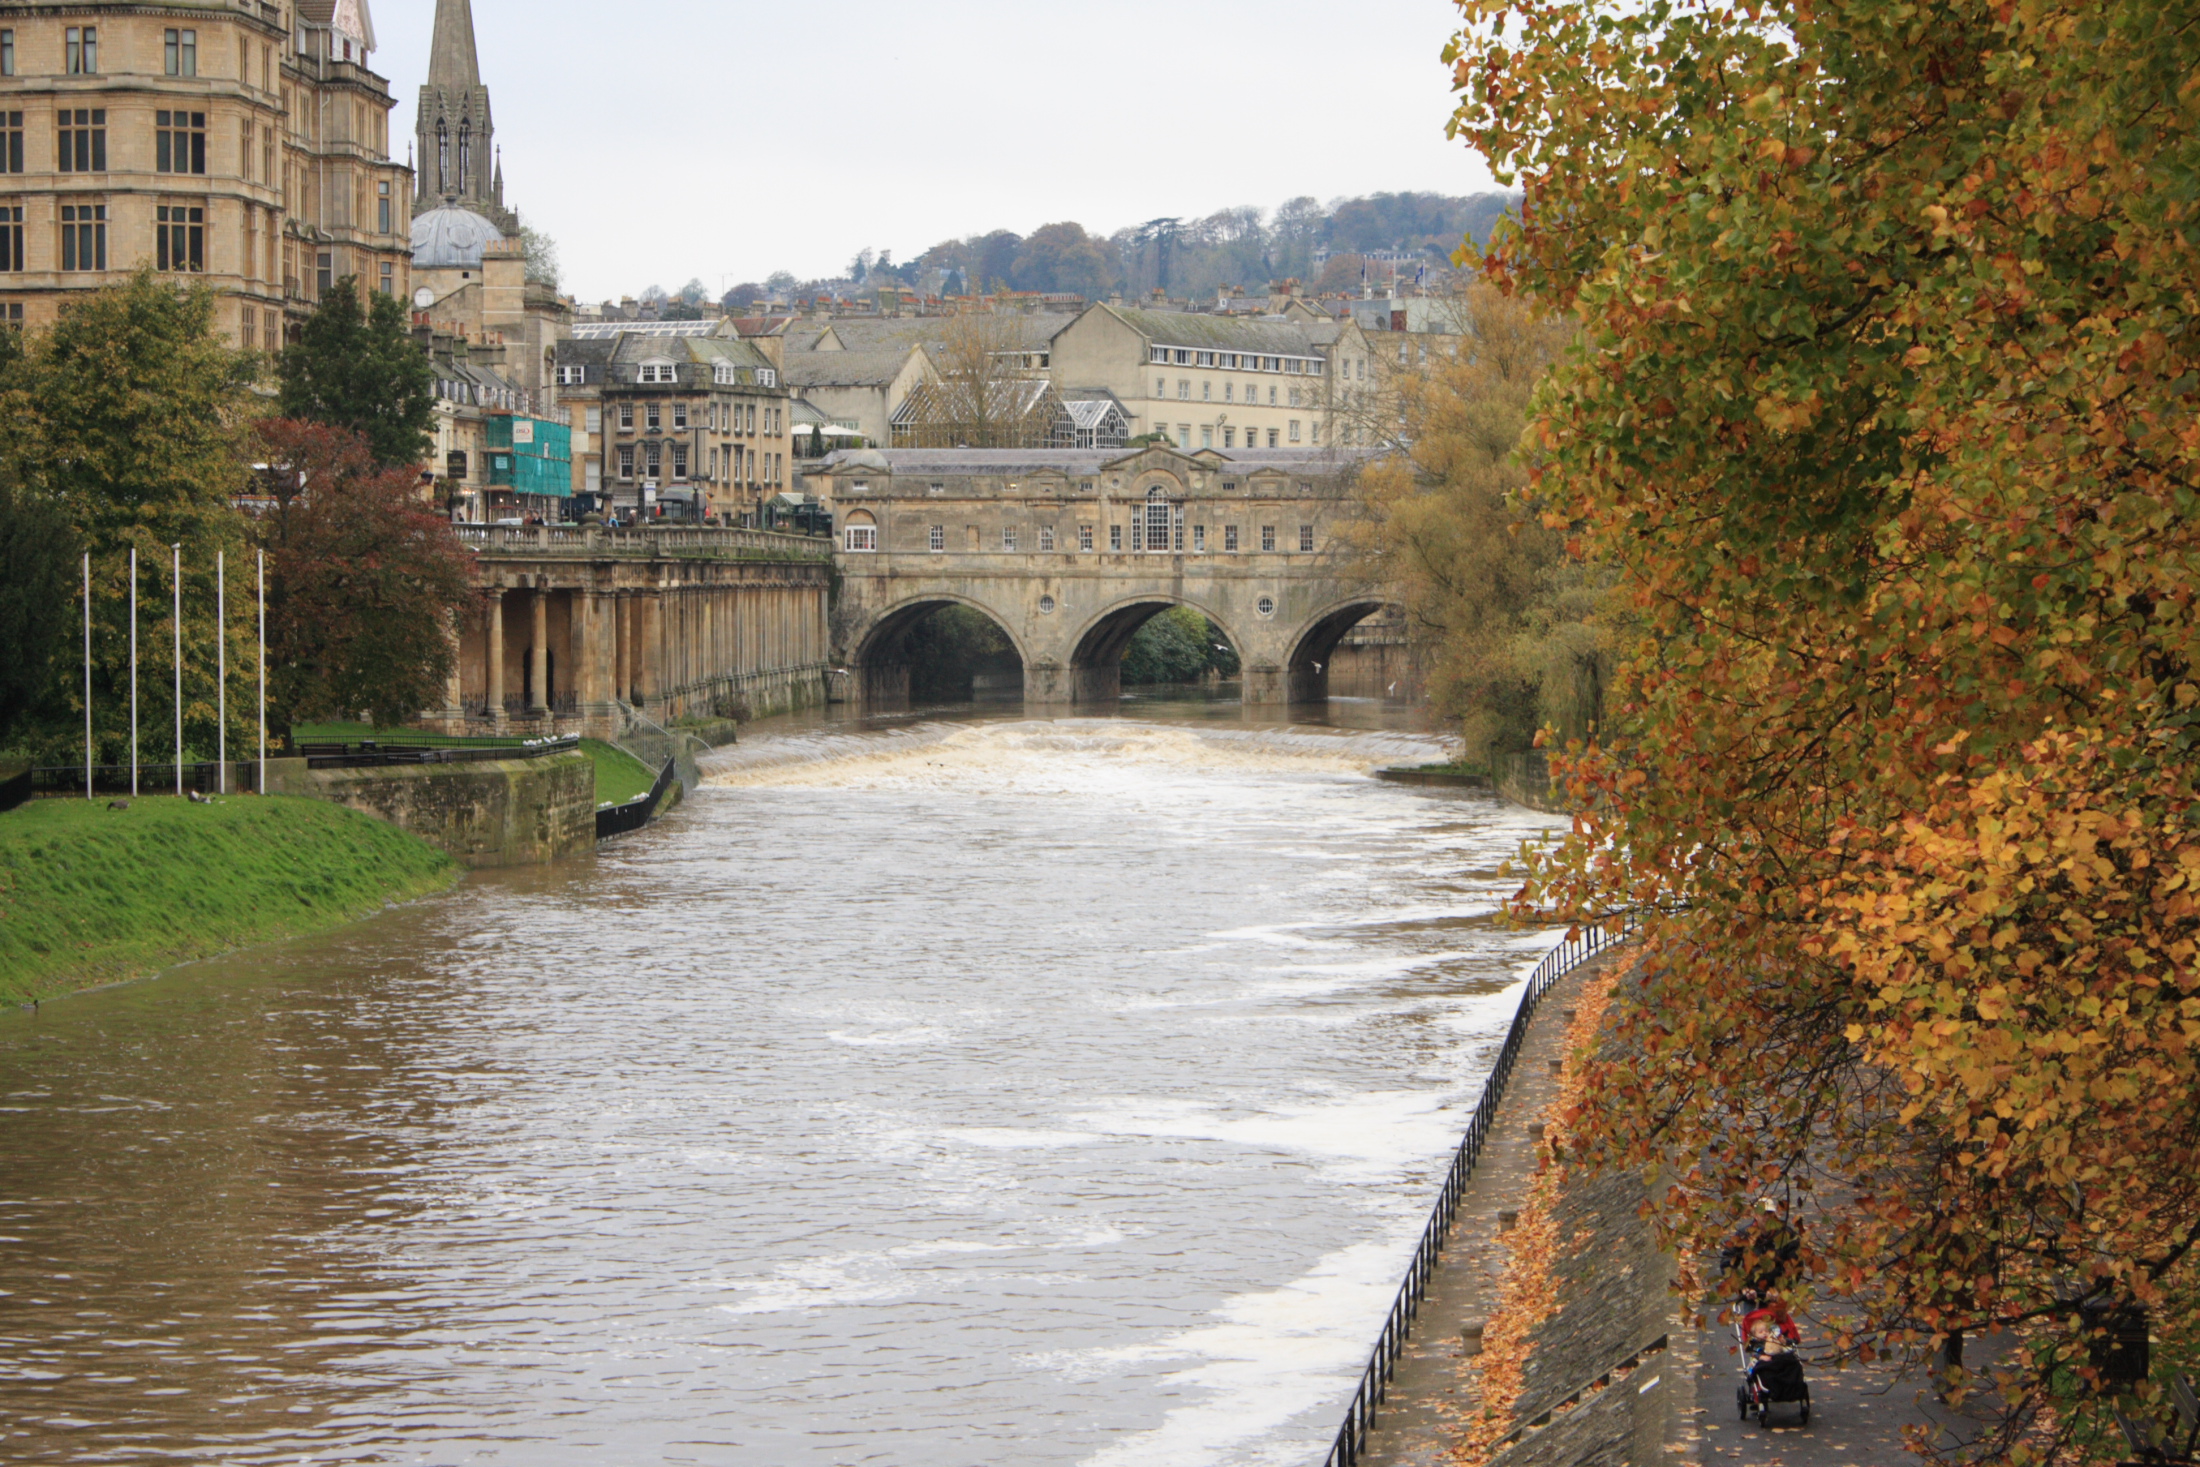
[[614, 820], [114, 779], [1359, 1417], [372, 755]]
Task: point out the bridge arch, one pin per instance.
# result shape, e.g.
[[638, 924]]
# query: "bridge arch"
[[879, 655], [1315, 644], [1096, 659]]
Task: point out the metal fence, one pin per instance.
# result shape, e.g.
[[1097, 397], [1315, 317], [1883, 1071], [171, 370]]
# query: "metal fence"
[[370, 754], [655, 745], [114, 779], [1359, 1417]]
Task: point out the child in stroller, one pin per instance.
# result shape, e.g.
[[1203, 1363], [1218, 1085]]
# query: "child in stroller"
[[1771, 1372]]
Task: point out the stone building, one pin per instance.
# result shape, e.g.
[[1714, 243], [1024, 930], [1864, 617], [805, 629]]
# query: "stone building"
[[682, 419], [244, 146], [1208, 381], [455, 136]]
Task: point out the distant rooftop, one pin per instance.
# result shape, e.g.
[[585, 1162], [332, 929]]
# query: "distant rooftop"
[[599, 330]]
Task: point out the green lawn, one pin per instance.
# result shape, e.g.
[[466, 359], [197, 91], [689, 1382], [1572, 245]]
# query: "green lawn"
[[90, 895], [619, 775]]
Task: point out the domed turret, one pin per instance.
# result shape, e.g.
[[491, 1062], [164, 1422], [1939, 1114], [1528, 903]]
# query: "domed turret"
[[451, 238]]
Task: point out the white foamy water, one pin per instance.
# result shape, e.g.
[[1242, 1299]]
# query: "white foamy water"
[[1034, 1091]]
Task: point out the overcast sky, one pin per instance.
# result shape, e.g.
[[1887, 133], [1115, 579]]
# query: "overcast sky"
[[659, 140]]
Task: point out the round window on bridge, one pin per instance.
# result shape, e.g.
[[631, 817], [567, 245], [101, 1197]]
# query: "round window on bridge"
[[1266, 606], [1046, 606]]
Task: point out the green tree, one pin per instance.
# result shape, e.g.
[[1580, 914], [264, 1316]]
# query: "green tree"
[[39, 598], [356, 366], [1177, 646], [128, 418]]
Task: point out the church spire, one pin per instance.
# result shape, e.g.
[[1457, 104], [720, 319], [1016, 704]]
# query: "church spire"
[[452, 60]]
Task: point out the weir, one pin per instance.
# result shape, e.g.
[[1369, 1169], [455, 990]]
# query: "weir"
[[572, 621]]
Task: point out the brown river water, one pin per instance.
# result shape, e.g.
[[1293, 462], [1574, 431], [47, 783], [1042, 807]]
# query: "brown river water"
[[956, 1091]]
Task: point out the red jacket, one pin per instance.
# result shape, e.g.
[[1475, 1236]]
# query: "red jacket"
[[1778, 1315]]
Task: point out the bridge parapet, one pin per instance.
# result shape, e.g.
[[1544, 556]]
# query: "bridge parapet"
[[651, 542]]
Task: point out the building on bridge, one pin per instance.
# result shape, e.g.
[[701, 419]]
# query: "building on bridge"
[[1070, 551]]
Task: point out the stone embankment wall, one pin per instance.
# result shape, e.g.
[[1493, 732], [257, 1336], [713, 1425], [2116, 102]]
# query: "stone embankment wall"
[[510, 812]]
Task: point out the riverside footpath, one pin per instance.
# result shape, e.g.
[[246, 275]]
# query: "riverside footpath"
[[1611, 1372]]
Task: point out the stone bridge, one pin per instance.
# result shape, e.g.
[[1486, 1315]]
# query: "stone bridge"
[[1070, 551]]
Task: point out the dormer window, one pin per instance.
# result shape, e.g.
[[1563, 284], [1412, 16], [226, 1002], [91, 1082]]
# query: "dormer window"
[[656, 372], [724, 375], [766, 377], [572, 376]]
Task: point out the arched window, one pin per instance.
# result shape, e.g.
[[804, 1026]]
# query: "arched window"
[[442, 158], [466, 157], [860, 535], [1157, 519]]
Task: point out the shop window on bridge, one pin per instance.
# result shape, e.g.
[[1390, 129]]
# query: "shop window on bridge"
[[1157, 520], [939, 539], [860, 536]]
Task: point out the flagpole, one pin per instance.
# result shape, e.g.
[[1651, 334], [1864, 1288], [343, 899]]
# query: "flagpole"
[[175, 585], [133, 675], [221, 677], [87, 674], [261, 787]]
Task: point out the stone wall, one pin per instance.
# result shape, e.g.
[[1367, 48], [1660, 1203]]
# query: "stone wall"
[[510, 812]]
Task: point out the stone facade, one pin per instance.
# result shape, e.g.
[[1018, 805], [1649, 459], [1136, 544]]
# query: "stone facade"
[[243, 146], [1071, 551], [575, 621], [506, 812]]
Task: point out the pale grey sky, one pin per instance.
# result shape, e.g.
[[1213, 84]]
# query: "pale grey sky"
[[658, 140]]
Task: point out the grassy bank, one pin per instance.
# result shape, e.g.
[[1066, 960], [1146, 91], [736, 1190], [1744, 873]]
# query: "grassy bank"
[[91, 895], [619, 775]]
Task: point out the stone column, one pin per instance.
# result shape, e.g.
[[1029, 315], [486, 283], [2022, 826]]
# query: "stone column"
[[538, 655], [621, 646], [492, 621], [652, 647]]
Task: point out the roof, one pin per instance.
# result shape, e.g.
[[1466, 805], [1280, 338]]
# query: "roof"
[[608, 329], [871, 368], [1089, 408], [1225, 333], [449, 237], [1019, 329], [1074, 462]]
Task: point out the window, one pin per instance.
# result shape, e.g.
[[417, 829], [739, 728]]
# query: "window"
[[83, 236], [382, 205], [1157, 521], [1206, 391], [654, 455], [1183, 358], [324, 271], [751, 416], [573, 376], [591, 417], [81, 49], [11, 238], [1229, 539], [1268, 537], [722, 374], [860, 537], [766, 377], [1294, 397], [1008, 537], [653, 417], [11, 142], [626, 417], [1046, 537], [1115, 537], [679, 460], [1199, 538], [679, 415], [1229, 437], [7, 53], [1184, 389], [389, 278], [83, 134], [179, 237], [626, 460], [1160, 354], [655, 372], [179, 53], [1306, 539], [1084, 538], [1229, 392], [1160, 387], [248, 335], [1206, 435], [938, 539], [1294, 430], [267, 321], [179, 144], [1206, 358]]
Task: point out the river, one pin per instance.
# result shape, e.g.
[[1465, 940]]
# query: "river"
[[936, 1092]]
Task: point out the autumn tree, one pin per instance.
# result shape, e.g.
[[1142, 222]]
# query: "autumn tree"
[[981, 392], [1884, 415], [1064, 257], [1506, 622], [356, 366], [364, 581]]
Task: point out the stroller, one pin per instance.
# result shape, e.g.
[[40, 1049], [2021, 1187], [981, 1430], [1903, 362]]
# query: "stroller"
[[1772, 1375]]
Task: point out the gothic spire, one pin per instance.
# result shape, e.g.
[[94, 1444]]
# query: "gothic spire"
[[452, 61]]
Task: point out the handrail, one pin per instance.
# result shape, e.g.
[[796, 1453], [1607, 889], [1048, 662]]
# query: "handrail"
[[1359, 1417], [646, 540]]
